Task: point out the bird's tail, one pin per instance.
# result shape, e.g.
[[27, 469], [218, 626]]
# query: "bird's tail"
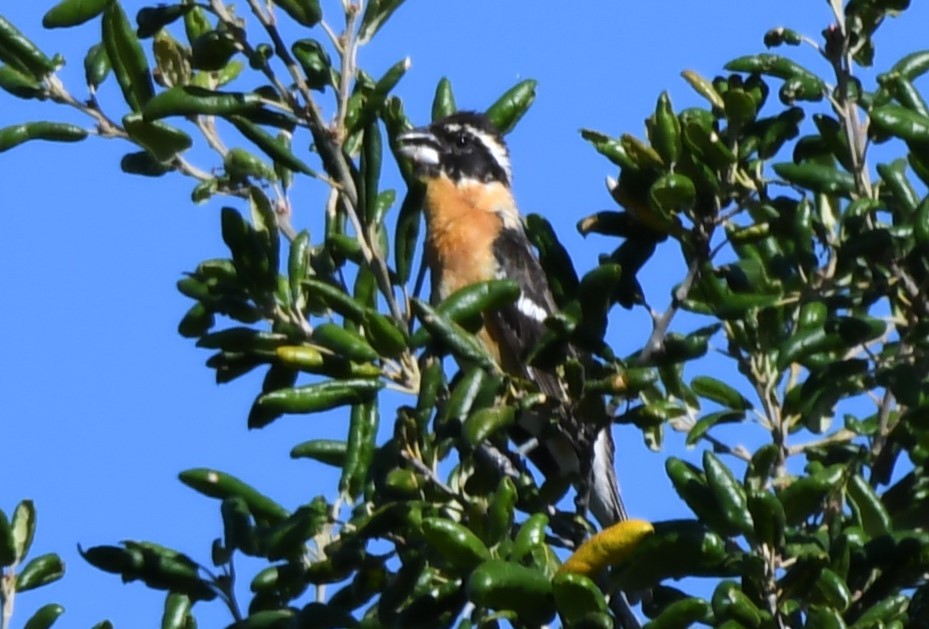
[[606, 502]]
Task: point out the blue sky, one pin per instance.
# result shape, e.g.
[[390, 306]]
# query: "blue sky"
[[104, 403]]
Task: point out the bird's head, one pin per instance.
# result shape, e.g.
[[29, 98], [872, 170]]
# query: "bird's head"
[[465, 147]]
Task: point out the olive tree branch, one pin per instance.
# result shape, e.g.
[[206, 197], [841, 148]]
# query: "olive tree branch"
[[329, 141]]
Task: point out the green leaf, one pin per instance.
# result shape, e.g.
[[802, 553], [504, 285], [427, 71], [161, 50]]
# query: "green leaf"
[[176, 613], [576, 596], [315, 61], [678, 548], [457, 544], [610, 148], [769, 518], [328, 451], [720, 392], [683, 613], [901, 122], [216, 484], [486, 422], [343, 342], [304, 12], [607, 223], [153, 19], [691, 485], [376, 14], [375, 101], [832, 590], [406, 232], [52, 131], [163, 141], [462, 344], [511, 106], [45, 616], [127, 57], [780, 36], [96, 65], [212, 50], [239, 163], [642, 155], [443, 103], [18, 51], [336, 299], [21, 85], [385, 336], [143, 163], [22, 528], [731, 603], [502, 585], [465, 305], [704, 88], [705, 423], [883, 612], [73, 12], [196, 22], [817, 177], [7, 542], [774, 65], [167, 569], [803, 496], [40, 571], [288, 538], [194, 101], [554, 258], [867, 507], [672, 193], [913, 65], [729, 493], [665, 134], [359, 453], [315, 398], [239, 530]]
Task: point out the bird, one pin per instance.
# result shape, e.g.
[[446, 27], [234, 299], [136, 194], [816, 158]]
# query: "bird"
[[475, 233]]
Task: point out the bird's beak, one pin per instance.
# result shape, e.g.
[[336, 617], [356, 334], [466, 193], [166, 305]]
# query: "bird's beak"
[[420, 146]]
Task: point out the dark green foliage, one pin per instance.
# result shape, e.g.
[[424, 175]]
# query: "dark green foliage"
[[808, 264]]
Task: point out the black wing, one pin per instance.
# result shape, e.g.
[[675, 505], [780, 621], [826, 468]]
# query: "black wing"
[[519, 326], [569, 446]]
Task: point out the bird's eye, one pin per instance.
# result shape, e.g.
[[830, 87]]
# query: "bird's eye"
[[462, 140]]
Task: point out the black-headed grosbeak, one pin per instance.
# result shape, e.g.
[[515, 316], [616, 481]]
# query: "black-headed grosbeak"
[[475, 233]]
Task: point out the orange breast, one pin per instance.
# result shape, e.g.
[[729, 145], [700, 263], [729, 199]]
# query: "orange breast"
[[462, 223]]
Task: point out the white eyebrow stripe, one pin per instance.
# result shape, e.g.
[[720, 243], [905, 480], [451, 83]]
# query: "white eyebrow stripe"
[[531, 309], [497, 151]]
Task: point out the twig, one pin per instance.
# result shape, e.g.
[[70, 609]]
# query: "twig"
[[661, 324], [491, 455], [321, 132], [424, 469], [107, 127], [7, 594], [349, 53], [841, 436], [883, 430], [60, 94]]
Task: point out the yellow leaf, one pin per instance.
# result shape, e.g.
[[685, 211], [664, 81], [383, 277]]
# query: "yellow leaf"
[[608, 547]]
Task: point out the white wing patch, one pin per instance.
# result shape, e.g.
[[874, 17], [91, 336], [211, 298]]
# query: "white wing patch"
[[531, 309]]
